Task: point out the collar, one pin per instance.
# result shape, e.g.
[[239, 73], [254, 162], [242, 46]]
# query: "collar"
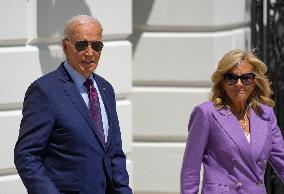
[[77, 77]]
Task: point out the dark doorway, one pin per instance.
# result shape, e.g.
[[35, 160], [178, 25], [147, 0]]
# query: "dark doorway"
[[267, 37]]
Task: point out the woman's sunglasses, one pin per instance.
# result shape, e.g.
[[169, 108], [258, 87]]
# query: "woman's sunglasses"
[[246, 78], [83, 44]]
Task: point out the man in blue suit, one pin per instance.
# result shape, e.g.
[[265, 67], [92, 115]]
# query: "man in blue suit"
[[69, 140]]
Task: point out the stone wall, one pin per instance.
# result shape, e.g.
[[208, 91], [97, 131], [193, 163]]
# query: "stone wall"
[[159, 56]]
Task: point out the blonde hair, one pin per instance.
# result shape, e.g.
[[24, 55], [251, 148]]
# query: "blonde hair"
[[262, 92]]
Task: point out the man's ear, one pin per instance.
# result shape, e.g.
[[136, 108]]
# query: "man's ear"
[[64, 45]]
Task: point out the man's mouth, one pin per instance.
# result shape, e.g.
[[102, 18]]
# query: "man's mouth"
[[87, 62]]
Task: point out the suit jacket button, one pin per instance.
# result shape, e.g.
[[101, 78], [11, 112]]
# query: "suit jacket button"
[[238, 185]]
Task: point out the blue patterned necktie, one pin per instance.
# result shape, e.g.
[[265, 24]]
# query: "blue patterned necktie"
[[95, 109]]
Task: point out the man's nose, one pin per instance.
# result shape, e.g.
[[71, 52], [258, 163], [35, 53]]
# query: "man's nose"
[[89, 50]]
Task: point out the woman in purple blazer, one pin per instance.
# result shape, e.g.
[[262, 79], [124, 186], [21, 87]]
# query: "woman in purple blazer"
[[234, 134]]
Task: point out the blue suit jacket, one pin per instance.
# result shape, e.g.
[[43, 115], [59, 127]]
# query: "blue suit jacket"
[[58, 150], [231, 164]]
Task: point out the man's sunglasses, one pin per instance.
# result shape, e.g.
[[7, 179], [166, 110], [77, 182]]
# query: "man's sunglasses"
[[246, 78], [83, 44]]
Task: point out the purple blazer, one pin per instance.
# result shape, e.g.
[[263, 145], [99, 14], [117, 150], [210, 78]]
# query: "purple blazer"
[[231, 164]]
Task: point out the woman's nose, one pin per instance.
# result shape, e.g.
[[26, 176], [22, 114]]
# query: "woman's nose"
[[239, 82]]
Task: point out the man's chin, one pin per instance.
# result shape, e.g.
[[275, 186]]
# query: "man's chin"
[[89, 66]]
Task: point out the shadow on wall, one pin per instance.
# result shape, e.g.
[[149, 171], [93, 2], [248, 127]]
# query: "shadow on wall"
[[141, 11], [51, 18], [248, 18]]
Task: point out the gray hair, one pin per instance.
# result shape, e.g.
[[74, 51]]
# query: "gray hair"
[[79, 19]]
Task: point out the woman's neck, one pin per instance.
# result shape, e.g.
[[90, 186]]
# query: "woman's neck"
[[239, 109]]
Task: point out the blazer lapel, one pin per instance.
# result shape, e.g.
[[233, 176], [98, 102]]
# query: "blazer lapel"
[[71, 90], [259, 131], [231, 126]]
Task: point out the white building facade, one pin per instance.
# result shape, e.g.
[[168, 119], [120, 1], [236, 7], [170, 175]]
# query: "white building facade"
[[159, 56]]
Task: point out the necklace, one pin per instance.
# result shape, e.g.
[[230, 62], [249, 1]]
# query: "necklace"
[[244, 125], [244, 120]]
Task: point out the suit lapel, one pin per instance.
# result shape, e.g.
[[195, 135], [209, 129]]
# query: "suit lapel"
[[231, 126], [72, 91], [258, 133]]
